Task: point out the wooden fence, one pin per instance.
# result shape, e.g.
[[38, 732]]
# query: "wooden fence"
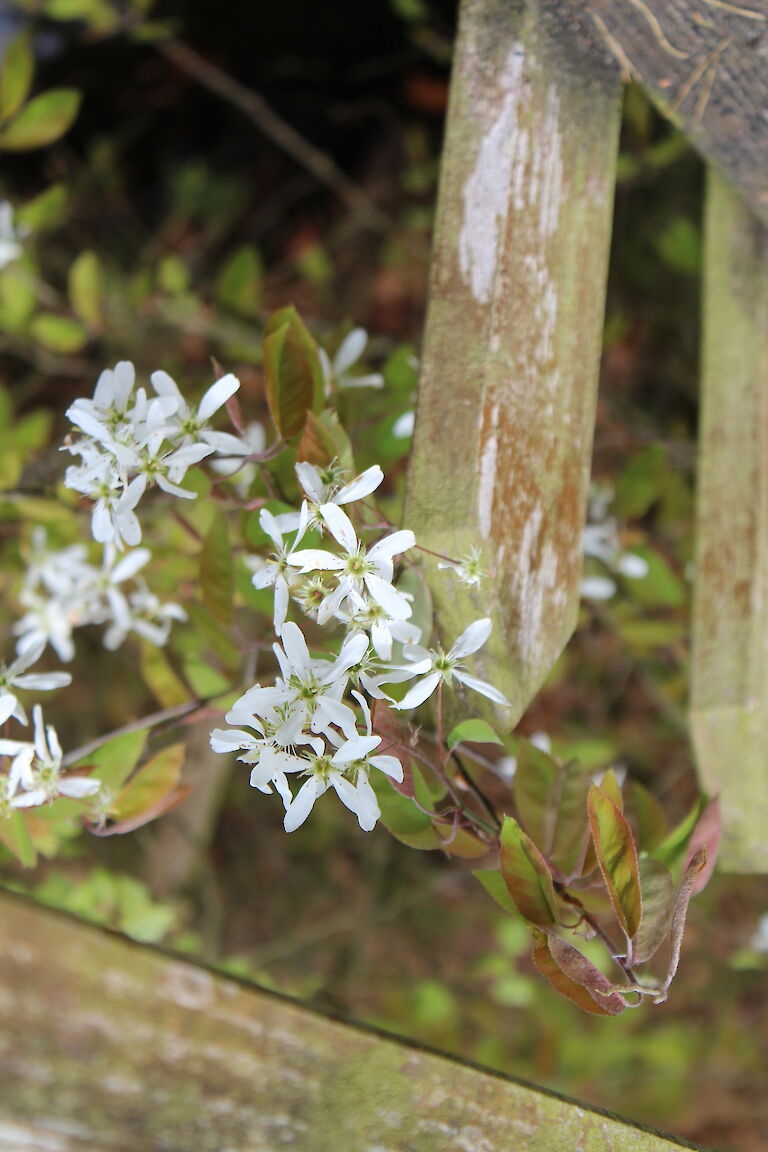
[[118, 1047]]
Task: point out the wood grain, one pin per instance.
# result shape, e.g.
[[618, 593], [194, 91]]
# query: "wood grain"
[[110, 1046], [729, 705]]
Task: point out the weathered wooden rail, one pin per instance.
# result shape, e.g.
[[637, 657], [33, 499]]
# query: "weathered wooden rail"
[[110, 1046]]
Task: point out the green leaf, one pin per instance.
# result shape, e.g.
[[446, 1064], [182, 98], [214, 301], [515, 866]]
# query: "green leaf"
[[661, 587], [157, 673], [679, 246], [617, 856], [58, 333], [324, 440], [646, 816], [15, 835], [173, 275], [528, 879], [42, 121], [115, 759], [493, 882], [551, 799], [154, 782], [85, 289], [401, 817], [473, 731], [672, 849], [45, 210], [658, 893], [293, 376], [642, 482], [239, 285], [17, 297], [100, 16], [16, 75], [217, 573], [572, 975]]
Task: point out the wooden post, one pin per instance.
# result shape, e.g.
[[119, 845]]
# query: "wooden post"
[[111, 1046], [503, 439], [729, 711]]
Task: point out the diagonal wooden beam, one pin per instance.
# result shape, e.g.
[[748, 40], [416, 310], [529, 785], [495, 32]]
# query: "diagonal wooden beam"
[[503, 439], [729, 705], [705, 64], [110, 1046]]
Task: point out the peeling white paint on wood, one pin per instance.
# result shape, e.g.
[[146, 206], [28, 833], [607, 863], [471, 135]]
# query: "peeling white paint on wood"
[[486, 481], [486, 192]]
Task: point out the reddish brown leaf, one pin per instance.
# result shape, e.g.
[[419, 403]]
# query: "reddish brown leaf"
[[706, 834], [680, 910], [573, 989]]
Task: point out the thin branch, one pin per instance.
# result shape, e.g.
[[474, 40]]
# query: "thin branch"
[[279, 131], [151, 721]]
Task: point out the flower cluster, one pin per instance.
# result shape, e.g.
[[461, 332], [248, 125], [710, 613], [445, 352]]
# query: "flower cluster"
[[133, 441], [35, 776], [313, 725], [63, 591]]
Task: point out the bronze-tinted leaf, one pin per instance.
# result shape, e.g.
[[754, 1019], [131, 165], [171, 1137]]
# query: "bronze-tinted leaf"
[[324, 440], [293, 375], [574, 990], [680, 910], [617, 857], [658, 892], [154, 781], [527, 876]]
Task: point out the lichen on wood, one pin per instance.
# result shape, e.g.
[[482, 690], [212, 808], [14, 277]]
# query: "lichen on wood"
[[110, 1046], [729, 707], [502, 446]]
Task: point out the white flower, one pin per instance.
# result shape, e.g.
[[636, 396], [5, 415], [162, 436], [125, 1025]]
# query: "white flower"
[[277, 570], [467, 569], [15, 676], [357, 569], [10, 248], [110, 404], [404, 426], [597, 587], [336, 372], [434, 666], [309, 693], [243, 473], [600, 539], [190, 427], [36, 769], [323, 486]]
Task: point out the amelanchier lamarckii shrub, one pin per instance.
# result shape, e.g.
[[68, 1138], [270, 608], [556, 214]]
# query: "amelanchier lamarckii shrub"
[[353, 666]]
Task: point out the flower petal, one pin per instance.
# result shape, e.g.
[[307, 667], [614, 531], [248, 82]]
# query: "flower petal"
[[420, 692], [482, 687], [472, 638], [340, 527], [302, 803], [361, 486], [217, 395], [350, 350]]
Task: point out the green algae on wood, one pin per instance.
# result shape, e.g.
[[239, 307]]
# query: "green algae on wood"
[[111, 1046], [729, 705], [503, 439]]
